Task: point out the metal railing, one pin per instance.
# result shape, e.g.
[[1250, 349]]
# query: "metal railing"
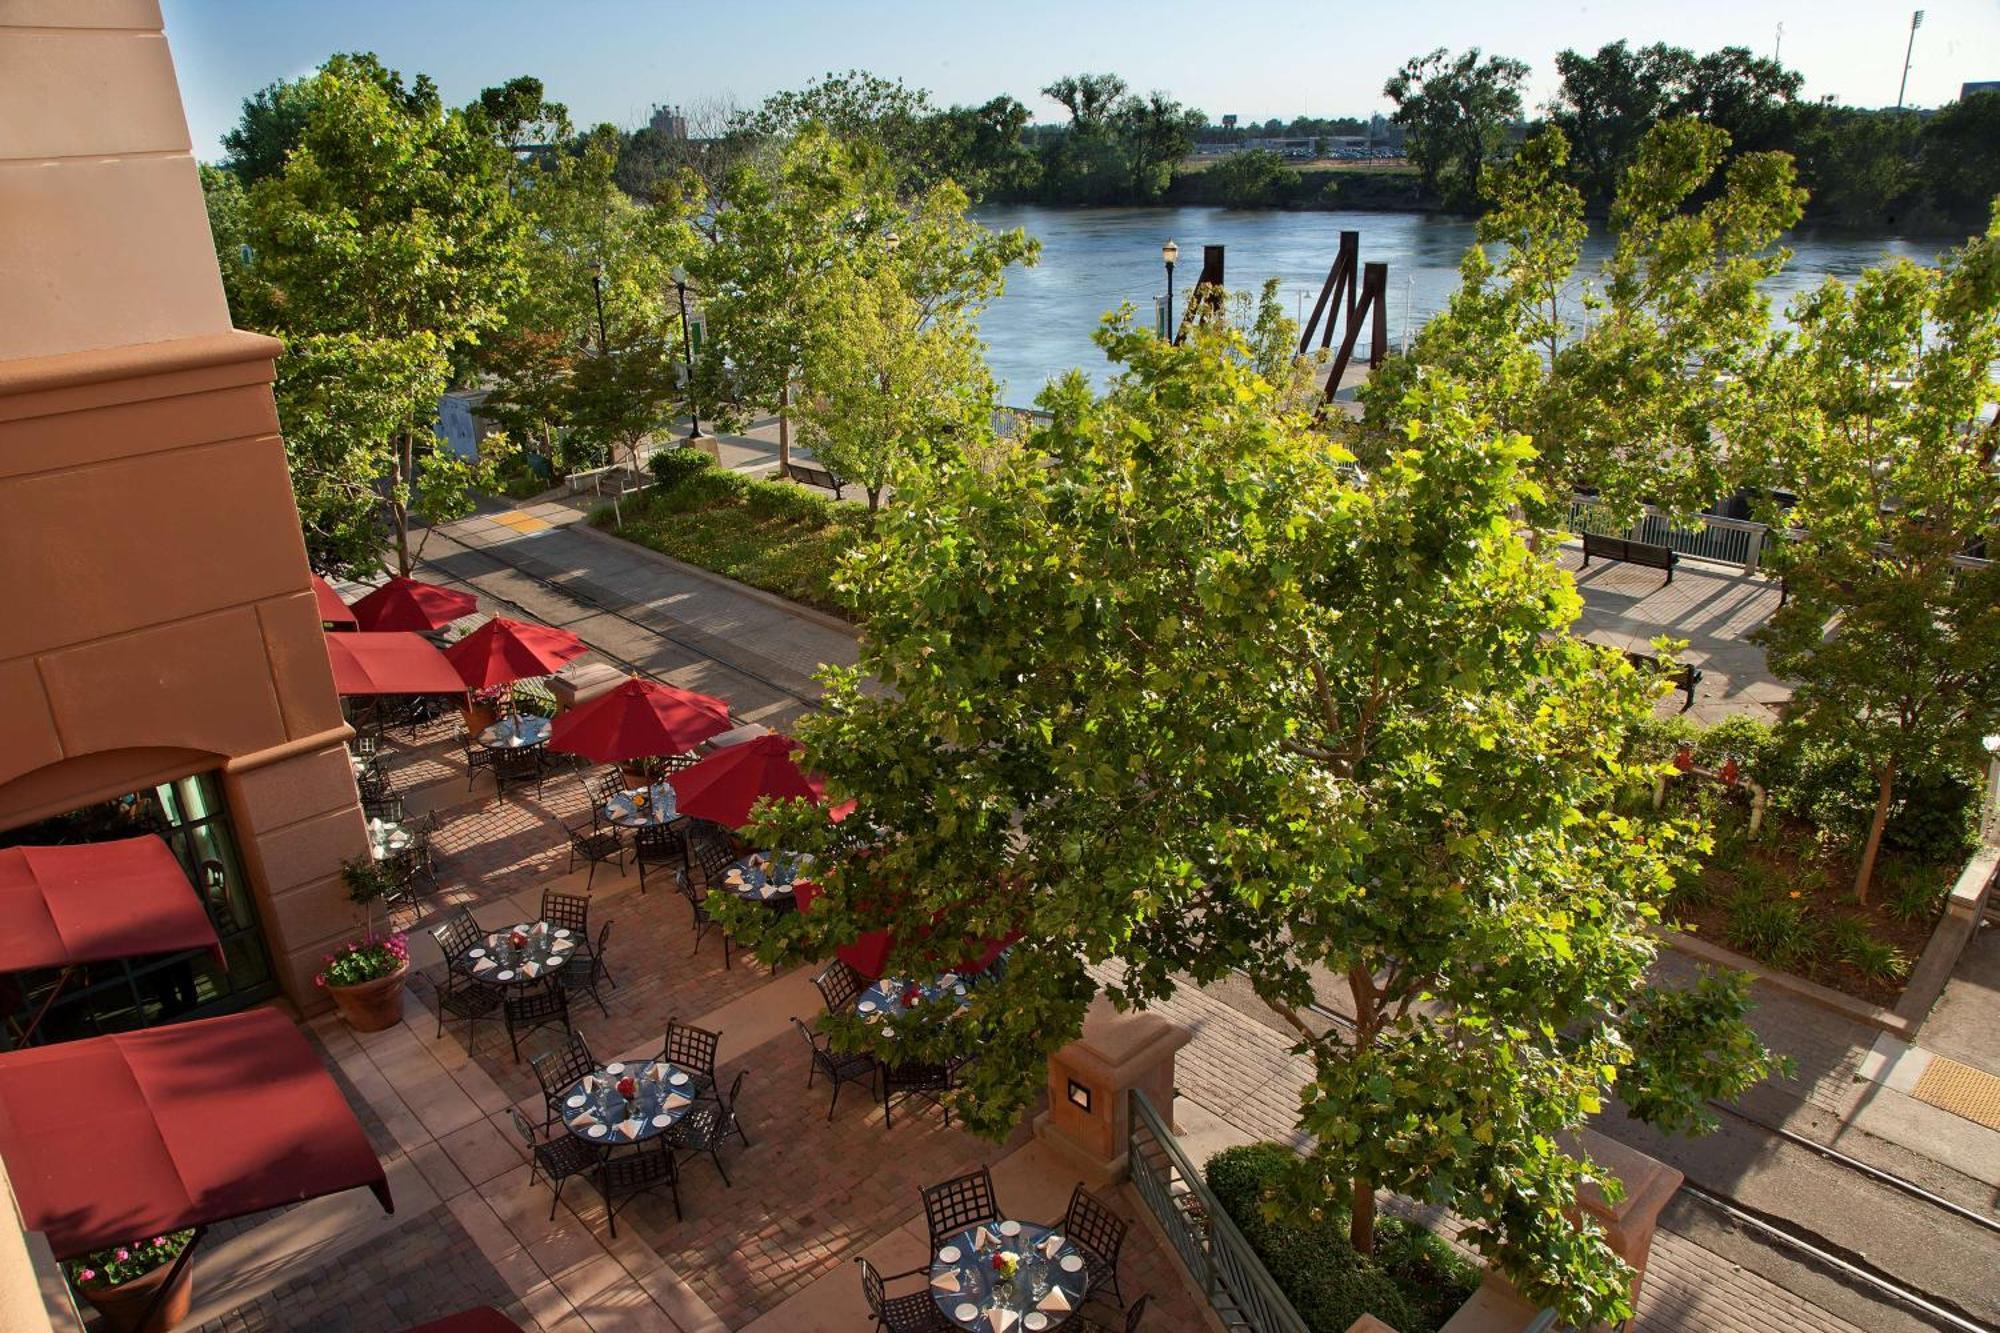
[[1232, 1277], [1729, 541]]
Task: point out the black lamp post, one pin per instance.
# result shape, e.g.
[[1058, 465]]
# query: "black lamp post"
[[687, 352], [597, 289], [1168, 254]]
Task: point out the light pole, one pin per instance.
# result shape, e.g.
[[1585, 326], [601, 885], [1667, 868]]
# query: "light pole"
[[1916, 21], [687, 353], [1990, 817], [1168, 254], [597, 288]]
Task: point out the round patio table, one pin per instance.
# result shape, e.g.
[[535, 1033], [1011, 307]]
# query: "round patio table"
[[596, 1111], [386, 839], [1048, 1282], [519, 731], [541, 950], [646, 808], [892, 997], [762, 877]]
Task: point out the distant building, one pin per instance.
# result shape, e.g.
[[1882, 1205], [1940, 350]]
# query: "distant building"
[[459, 424], [1966, 90], [668, 122], [1229, 121]]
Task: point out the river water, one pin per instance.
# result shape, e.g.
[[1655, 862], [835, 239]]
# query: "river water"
[[1094, 259]]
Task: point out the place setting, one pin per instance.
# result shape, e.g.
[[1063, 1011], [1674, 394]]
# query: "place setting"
[[628, 1103], [763, 877], [1007, 1275], [521, 954]]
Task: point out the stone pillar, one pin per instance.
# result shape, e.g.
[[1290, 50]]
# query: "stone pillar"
[[1089, 1115], [1630, 1223]]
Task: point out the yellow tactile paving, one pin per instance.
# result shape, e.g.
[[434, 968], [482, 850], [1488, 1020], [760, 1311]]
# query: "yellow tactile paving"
[[1961, 1090], [521, 522]]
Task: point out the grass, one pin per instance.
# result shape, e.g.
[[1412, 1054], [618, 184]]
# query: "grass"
[[757, 532]]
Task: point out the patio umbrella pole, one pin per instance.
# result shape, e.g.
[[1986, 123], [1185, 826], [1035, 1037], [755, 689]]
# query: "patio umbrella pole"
[[62, 979], [182, 1260]]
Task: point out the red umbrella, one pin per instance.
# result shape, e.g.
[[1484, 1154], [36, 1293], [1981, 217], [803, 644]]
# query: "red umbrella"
[[638, 720], [409, 605], [502, 650], [332, 611], [726, 784], [390, 663]]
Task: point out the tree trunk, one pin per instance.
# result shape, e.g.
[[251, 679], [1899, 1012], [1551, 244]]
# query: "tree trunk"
[[1885, 791], [1361, 1226], [399, 513], [874, 499], [785, 427]]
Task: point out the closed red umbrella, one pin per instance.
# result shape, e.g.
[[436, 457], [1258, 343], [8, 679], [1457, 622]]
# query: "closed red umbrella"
[[726, 784], [503, 650], [405, 604], [638, 720], [390, 663], [332, 611]]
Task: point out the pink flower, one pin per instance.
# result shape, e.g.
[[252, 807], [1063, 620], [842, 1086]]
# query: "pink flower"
[[87, 1275], [122, 1254], [159, 1240]]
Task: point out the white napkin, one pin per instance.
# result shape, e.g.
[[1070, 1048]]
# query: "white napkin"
[[946, 1281], [484, 965], [1052, 1244], [984, 1239], [631, 1129], [675, 1099], [1055, 1300], [530, 968], [1002, 1320]]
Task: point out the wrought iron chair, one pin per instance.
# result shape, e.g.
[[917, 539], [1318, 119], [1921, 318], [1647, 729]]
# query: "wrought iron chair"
[[625, 1176], [706, 1127], [693, 1050], [464, 997], [527, 1008], [1109, 1320], [1099, 1233], [911, 1312], [518, 768], [456, 934], [557, 1158], [839, 986], [961, 1202], [558, 1071], [697, 897], [596, 846], [657, 845], [594, 973], [477, 759], [709, 852], [571, 911], [608, 784], [387, 807], [930, 1082], [839, 1069]]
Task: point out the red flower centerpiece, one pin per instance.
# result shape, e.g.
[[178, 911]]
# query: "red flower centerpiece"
[[517, 939], [913, 995], [628, 1087]]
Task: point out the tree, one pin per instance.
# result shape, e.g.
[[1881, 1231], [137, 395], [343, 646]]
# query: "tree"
[[1155, 133], [1638, 404], [861, 108], [274, 118], [1859, 167], [1456, 111], [1253, 179], [982, 149], [1872, 414], [1089, 98], [1175, 692], [1961, 156], [382, 251]]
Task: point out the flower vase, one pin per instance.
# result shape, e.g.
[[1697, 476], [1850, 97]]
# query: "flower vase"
[[124, 1306], [372, 1006]]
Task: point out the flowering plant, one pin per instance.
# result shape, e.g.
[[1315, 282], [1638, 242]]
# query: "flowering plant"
[[628, 1087], [116, 1265], [365, 959], [1006, 1263]]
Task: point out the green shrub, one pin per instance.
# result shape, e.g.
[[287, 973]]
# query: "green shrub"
[[1935, 818], [1777, 930], [790, 502], [1754, 744], [1414, 1282], [1877, 960], [1911, 895], [673, 466], [1655, 739], [707, 487]]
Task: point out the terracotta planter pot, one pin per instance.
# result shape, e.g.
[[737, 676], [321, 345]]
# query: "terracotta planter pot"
[[635, 778], [124, 1306], [373, 1006], [479, 715]]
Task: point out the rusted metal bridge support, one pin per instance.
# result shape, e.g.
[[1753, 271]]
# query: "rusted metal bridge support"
[[1363, 290]]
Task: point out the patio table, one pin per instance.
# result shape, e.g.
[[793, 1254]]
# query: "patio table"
[[595, 1110], [892, 997], [763, 877], [1048, 1283], [386, 839], [518, 731], [500, 960], [648, 807]]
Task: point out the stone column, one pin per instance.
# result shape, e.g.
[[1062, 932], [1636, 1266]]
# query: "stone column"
[[1089, 1116]]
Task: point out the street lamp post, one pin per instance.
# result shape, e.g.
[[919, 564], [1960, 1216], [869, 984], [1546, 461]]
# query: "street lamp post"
[[597, 288], [1168, 254], [687, 353]]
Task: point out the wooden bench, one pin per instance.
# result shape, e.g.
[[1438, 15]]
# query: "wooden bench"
[[811, 475], [1631, 552], [1685, 675]]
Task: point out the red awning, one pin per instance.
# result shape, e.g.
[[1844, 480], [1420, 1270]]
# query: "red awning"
[[90, 902], [332, 611], [140, 1133], [638, 720], [390, 663], [485, 1319], [502, 650], [724, 786], [405, 604]]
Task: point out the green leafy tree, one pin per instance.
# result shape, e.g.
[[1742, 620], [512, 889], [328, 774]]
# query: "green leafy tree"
[[858, 107], [1878, 411], [982, 148], [1255, 179], [1860, 167], [384, 248], [1155, 133], [1961, 156], [1176, 692], [1084, 162], [1456, 110], [274, 118], [1635, 404]]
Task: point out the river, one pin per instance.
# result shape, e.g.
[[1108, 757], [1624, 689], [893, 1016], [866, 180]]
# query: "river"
[[1093, 259]]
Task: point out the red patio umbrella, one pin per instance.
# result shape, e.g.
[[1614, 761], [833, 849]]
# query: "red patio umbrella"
[[390, 663], [724, 786], [503, 650], [405, 604], [638, 720], [137, 1134], [332, 611], [869, 953]]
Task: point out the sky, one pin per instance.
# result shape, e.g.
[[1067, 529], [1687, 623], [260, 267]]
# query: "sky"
[[612, 60]]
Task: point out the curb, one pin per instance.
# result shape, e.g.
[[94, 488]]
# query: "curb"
[[823, 619], [1823, 997]]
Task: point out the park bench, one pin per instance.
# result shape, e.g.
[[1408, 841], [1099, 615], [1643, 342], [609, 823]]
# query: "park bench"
[[811, 475], [1685, 675], [1631, 552]]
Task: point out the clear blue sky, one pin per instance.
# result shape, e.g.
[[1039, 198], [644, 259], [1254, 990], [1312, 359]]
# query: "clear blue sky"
[[612, 59]]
